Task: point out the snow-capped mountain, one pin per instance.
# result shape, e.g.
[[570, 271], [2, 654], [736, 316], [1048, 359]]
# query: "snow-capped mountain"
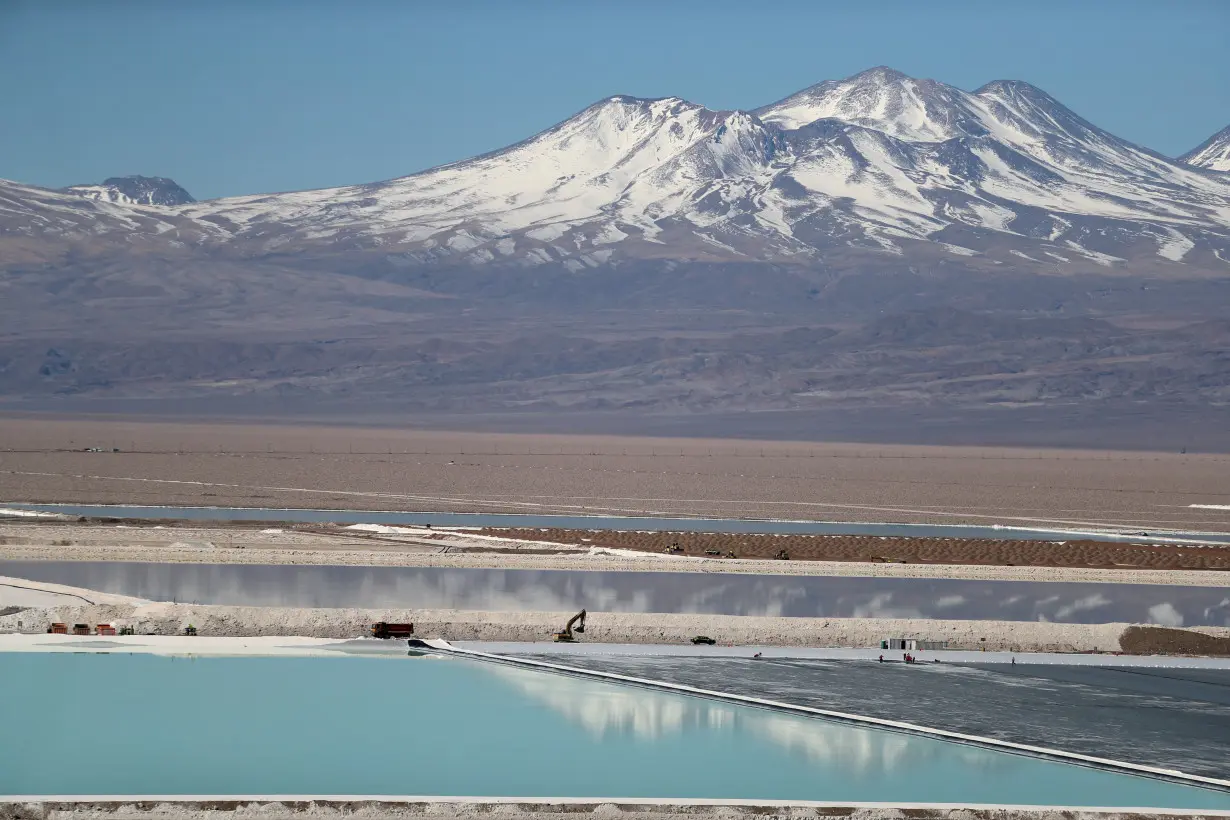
[[1213, 153], [623, 172], [878, 163], [40, 222], [135, 190]]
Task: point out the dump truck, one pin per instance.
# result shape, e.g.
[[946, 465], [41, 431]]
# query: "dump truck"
[[387, 630]]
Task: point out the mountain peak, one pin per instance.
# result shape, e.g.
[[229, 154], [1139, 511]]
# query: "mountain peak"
[[1017, 90], [880, 73], [1213, 153], [136, 190], [628, 99], [882, 99], [625, 105], [1008, 87], [621, 101]]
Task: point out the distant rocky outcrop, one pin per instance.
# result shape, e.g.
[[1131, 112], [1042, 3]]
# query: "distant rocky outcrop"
[[136, 190]]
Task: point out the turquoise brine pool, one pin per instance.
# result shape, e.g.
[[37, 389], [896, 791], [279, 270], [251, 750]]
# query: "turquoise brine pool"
[[150, 725]]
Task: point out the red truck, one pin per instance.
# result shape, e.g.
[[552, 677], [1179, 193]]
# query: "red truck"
[[387, 630]]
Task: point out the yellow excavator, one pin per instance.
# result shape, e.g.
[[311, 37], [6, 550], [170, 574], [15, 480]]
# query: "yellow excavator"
[[578, 621]]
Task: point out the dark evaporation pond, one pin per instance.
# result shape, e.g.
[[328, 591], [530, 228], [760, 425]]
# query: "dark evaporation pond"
[[154, 725], [729, 525], [1167, 717], [564, 590]]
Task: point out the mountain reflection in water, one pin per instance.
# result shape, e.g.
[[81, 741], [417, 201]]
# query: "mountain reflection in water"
[[605, 709]]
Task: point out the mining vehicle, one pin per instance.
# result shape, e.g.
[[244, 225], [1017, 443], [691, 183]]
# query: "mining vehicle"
[[566, 635], [387, 630]]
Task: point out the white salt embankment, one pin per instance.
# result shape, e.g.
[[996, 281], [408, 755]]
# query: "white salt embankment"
[[274, 548], [602, 627], [552, 809], [19, 592]]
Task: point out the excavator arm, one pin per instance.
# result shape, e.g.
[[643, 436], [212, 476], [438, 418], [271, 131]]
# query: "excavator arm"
[[578, 621]]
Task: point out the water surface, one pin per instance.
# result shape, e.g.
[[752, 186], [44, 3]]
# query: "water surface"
[[147, 724], [1168, 717], [699, 592], [652, 524]]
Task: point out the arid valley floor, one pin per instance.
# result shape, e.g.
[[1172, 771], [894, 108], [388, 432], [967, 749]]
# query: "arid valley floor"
[[250, 465]]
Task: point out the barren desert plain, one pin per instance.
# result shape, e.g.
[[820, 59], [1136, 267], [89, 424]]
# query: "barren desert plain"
[[285, 466], [92, 461]]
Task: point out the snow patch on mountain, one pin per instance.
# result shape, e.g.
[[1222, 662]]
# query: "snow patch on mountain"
[[1174, 245], [1213, 153]]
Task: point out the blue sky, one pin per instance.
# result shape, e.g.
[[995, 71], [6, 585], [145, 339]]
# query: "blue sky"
[[231, 97]]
